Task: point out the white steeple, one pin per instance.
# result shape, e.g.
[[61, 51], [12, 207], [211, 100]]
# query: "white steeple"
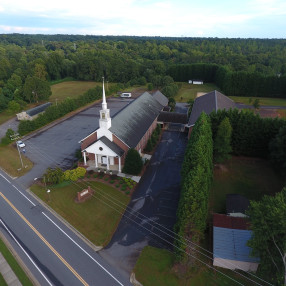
[[105, 120], [104, 104]]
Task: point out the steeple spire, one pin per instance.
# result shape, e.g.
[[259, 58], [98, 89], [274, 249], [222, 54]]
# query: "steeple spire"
[[104, 104]]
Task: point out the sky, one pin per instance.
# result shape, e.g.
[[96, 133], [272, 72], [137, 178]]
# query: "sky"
[[171, 18]]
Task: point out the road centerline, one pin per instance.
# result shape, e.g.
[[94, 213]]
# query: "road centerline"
[[44, 240]]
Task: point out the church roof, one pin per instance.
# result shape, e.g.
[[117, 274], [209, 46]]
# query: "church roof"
[[132, 122], [212, 101], [115, 148], [161, 98]]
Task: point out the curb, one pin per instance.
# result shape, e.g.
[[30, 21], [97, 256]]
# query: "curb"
[[134, 281]]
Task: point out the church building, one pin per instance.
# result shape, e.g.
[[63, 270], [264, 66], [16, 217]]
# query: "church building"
[[107, 146]]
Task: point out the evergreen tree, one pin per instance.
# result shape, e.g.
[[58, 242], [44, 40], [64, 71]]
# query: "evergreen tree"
[[133, 162], [222, 143]]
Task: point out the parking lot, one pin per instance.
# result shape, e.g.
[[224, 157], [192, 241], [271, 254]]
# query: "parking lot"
[[57, 145]]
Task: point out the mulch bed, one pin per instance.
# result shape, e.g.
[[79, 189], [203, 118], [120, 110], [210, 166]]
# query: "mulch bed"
[[124, 185]]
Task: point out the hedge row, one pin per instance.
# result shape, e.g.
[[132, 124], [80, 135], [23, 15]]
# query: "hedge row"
[[197, 173]]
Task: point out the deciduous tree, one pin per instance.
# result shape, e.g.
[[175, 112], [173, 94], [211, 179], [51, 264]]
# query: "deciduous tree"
[[268, 222]]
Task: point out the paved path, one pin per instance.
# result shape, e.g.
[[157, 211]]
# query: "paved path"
[[151, 214], [12, 123], [7, 273]]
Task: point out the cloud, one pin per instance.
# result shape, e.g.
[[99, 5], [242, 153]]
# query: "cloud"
[[223, 18]]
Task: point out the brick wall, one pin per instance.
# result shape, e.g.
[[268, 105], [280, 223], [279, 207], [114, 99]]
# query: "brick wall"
[[89, 140]]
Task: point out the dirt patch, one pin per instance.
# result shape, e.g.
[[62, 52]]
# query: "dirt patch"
[[200, 94]]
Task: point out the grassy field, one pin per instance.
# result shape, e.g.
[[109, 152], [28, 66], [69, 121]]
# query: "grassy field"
[[155, 268], [14, 266], [96, 218], [189, 91], [250, 177], [71, 89], [262, 100], [10, 161]]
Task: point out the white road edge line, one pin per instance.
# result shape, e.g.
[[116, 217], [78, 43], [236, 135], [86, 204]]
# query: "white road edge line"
[[83, 250], [26, 253], [24, 195], [5, 178]]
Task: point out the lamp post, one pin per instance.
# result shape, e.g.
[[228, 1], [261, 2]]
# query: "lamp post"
[[45, 184]]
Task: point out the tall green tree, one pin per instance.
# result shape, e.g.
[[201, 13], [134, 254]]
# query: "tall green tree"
[[222, 143], [36, 89], [268, 223]]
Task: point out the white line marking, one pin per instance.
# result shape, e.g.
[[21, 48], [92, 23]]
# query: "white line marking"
[[24, 195], [26, 253], [83, 249], [5, 178]]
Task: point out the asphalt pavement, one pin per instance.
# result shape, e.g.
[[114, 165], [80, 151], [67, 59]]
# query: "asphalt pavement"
[[56, 146], [151, 214], [53, 253]]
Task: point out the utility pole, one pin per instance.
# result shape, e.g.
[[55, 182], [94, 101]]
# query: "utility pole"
[[13, 138]]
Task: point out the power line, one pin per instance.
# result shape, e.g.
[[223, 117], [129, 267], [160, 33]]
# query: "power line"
[[139, 214]]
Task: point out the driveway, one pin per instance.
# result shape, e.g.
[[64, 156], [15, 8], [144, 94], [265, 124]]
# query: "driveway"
[[56, 146], [11, 123], [151, 214]]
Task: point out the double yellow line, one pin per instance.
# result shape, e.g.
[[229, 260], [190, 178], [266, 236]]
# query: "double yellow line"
[[45, 241]]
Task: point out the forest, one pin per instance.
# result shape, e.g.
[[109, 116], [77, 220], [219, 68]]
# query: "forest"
[[29, 63]]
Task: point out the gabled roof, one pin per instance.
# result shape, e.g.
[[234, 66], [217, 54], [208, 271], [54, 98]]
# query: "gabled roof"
[[212, 101], [173, 117], [132, 122], [161, 98], [236, 203], [115, 148], [38, 109], [111, 145]]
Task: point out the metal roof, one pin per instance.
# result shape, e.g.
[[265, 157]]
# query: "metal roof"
[[222, 220], [38, 109], [132, 122], [236, 203], [232, 244], [161, 98], [212, 101]]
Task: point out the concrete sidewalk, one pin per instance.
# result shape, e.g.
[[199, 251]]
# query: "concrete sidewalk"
[[7, 273]]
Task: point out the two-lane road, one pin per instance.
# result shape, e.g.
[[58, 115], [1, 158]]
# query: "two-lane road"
[[52, 252]]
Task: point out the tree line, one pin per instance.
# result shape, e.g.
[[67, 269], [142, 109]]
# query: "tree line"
[[29, 62], [233, 83]]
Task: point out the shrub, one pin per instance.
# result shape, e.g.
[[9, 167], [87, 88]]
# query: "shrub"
[[111, 181], [117, 185], [133, 162]]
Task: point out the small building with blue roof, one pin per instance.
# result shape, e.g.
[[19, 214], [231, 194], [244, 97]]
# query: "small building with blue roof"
[[230, 237]]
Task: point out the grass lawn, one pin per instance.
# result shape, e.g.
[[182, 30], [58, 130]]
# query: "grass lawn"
[[250, 177], [97, 218], [71, 89], [155, 268], [189, 91], [10, 161], [262, 100], [14, 266]]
